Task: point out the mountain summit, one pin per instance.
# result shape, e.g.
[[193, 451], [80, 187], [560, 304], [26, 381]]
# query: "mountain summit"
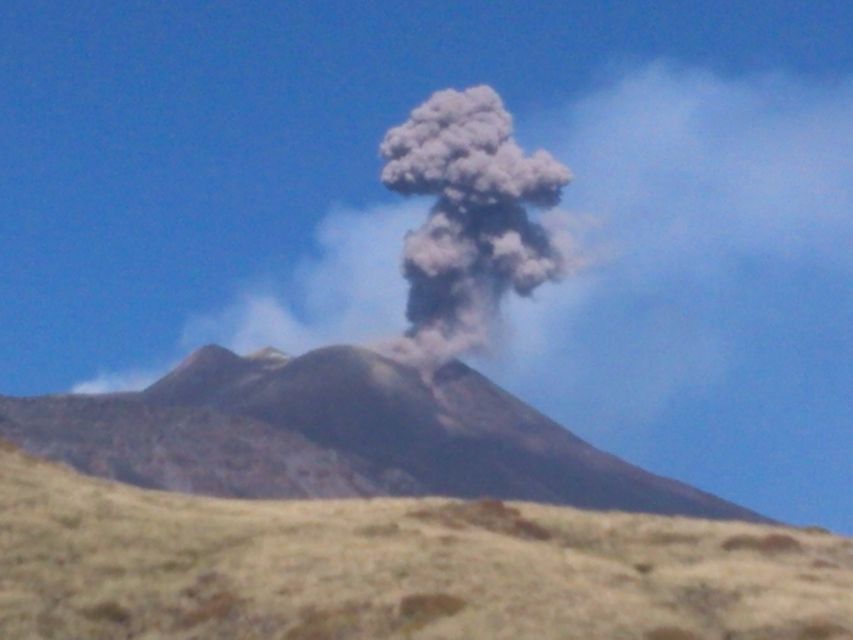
[[339, 421]]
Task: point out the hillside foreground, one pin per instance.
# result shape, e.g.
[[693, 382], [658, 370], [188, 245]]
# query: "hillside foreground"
[[86, 558]]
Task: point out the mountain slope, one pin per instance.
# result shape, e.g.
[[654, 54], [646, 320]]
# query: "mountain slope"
[[85, 558], [188, 449], [340, 421], [458, 435]]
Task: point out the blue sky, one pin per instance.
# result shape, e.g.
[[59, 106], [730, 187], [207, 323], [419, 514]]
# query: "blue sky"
[[177, 173]]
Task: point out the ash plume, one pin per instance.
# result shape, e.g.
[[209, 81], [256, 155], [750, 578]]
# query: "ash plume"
[[478, 242]]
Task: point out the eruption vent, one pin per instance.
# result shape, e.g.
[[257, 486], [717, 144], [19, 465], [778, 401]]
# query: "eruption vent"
[[478, 242]]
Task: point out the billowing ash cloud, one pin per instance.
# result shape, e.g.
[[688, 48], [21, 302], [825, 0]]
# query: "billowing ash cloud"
[[478, 242]]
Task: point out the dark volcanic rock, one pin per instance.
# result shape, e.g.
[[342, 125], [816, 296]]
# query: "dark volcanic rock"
[[339, 421], [458, 435], [188, 449]]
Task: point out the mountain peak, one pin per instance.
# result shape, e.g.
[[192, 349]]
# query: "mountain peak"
[[207, 356], [200, 373]]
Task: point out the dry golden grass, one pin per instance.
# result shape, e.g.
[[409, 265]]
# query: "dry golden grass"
[[82, 558]]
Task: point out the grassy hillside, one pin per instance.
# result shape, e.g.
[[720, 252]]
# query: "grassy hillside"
[[82, 558]]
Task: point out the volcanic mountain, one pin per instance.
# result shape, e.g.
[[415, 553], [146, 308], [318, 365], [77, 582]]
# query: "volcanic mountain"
[[338, 421]]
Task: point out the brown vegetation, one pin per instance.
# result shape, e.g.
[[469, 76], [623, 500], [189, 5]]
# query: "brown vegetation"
[[419, 609], [823, 531], [108, 611], [670, 633], [215, 607], [351, 620], [824, 631], [489, 514], [373, 530], [770, 543]]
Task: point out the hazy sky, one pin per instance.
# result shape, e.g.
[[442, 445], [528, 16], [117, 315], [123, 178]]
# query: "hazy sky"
[[178, 173]]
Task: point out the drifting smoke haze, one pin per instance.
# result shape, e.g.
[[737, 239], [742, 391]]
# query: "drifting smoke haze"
[[478, 242]]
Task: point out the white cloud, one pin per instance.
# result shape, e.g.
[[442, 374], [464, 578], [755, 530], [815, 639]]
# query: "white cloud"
[[352, 292], [113, 381], [698, 180]]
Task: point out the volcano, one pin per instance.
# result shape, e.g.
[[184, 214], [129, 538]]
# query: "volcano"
[[340, 421]]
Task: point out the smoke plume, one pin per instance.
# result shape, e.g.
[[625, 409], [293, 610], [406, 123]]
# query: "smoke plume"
[[478, 242]]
